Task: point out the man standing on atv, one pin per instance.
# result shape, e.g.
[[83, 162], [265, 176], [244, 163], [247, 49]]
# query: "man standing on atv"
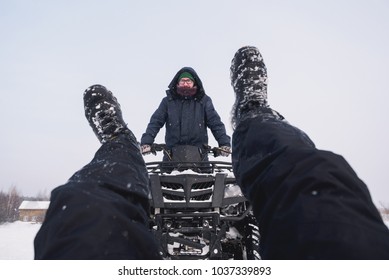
[[187, 112]]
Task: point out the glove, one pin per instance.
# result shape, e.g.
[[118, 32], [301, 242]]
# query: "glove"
[[145, 149], [225, 151]]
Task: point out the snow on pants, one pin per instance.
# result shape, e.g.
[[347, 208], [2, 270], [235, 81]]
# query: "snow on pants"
[[309, 203], [101, 212]]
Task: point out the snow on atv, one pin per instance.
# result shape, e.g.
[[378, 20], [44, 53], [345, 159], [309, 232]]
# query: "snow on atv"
[[197, 210]]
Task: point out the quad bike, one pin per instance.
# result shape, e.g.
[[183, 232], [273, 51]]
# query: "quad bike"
[[197, 209]]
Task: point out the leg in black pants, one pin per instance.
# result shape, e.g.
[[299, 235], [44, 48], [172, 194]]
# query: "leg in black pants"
[[309, 203], [101, 212]]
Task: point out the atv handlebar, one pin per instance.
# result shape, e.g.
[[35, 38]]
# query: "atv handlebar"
[[215, 151]]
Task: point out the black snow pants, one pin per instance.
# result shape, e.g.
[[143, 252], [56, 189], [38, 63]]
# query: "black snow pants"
[[101, 212], [309, 203]]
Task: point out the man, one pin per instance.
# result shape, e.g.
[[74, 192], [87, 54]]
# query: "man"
[[186, 112]]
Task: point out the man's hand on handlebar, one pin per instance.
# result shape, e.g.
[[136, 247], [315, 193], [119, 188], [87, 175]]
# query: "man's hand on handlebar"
[[145, 149], [225, 151]]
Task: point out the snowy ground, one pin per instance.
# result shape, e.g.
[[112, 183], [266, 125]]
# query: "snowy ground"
[[16, 240]]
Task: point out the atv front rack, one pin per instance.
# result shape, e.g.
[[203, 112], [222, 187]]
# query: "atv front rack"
[[159, 167]]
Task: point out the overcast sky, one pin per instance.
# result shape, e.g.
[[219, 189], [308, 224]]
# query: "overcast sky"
[[327, 64]]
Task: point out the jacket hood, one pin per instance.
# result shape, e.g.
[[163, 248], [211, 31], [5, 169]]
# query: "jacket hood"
[[172, 88]]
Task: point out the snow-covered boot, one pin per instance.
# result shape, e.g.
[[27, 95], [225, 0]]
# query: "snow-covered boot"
[[249, 81], [103, 113]]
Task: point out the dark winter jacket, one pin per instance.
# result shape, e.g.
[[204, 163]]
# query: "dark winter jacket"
[[186, 117]]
